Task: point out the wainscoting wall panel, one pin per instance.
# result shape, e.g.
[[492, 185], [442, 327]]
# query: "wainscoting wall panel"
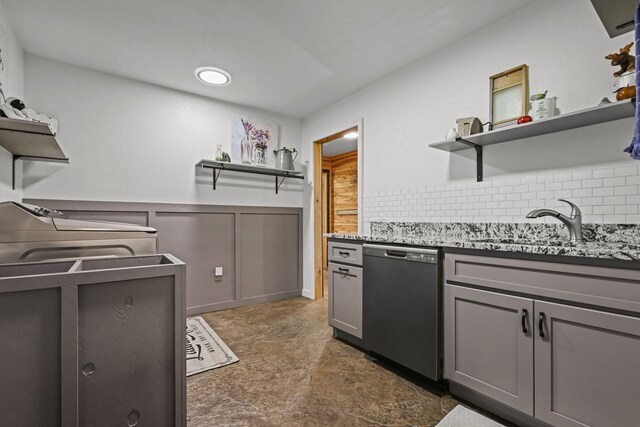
[[259, 248], [204, 241], [268, 234]]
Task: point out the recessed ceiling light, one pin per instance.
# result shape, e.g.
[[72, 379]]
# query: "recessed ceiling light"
[[351, 135], [213, 76]]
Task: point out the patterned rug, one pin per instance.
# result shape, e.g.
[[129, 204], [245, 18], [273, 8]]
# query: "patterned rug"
[[465, 417], [205, 349]]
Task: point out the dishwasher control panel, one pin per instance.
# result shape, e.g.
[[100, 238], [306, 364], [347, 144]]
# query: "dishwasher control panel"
[[430, 258]]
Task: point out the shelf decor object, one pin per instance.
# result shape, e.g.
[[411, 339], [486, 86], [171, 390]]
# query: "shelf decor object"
[[577, 119], [27, 140], [217, 167], [509, 95]]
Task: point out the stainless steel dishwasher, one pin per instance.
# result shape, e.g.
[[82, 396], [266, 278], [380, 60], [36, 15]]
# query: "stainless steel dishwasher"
[[402, 306]]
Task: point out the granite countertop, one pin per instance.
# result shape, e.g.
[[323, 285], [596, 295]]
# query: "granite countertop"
[[597, 249]]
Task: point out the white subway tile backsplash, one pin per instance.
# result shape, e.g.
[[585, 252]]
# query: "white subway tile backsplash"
[[605, 195], [604, 191], [582, 175], [603, 173], [626, 171], [626, 190], [626, 209], [570, 185], [612, 182]]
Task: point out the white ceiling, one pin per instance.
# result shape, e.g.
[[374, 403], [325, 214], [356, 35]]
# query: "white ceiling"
[[289, 56], [339, 146]]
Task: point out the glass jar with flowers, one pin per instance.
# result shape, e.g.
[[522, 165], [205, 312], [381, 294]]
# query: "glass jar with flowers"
[[261, 139]]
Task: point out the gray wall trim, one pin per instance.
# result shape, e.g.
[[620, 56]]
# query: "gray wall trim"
[[207, 294], [192, 311]]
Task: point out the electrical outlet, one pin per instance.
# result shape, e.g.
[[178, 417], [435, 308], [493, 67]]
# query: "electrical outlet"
[[218, 273]]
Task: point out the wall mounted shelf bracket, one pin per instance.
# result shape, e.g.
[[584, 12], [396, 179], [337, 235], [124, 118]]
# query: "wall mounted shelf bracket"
[[279, 174], [479, 162], [32, 158]]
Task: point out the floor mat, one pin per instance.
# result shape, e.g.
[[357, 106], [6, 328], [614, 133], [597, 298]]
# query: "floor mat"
[[205, 349], [465, 417]]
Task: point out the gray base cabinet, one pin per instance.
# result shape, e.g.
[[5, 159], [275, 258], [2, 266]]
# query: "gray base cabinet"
[[563, 365], [489, 345], [587, 367], [93, 343], [345, 287], [345, 298]]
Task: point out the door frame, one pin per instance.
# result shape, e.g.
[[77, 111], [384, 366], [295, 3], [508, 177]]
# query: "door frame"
[[317, 197]]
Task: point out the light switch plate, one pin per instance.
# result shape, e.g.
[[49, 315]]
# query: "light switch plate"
[[218, 271]]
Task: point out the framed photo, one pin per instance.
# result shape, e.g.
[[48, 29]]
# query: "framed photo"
[[509, 92]]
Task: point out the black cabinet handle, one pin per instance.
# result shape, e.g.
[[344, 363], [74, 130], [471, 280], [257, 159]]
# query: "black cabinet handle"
[[541, 324], [525, 315], [343, 270], [344, 254]]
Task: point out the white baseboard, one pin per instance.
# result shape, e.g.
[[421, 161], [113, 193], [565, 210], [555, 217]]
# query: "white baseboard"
[[308, 294]]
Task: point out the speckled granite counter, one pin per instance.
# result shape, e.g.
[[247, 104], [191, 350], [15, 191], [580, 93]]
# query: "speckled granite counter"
[[619, 242]]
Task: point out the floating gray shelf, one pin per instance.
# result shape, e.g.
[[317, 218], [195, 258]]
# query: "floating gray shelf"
[[28, 140], [218, 167], [577, 119]]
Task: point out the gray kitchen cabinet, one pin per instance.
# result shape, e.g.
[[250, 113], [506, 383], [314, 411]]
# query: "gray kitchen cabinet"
[[94, 342], [489, 344], [587, 367], [345, 298], [583, 364], [348, 253]]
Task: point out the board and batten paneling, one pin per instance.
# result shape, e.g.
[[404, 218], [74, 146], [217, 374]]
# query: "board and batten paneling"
[[268, 254], [259, 248], [204, 241]]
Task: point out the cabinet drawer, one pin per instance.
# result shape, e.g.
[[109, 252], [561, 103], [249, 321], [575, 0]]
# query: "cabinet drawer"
[[345, 298], [600, 286], [350, 253]]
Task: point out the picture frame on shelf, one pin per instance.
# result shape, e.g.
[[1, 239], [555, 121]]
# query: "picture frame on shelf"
[[509, 95]]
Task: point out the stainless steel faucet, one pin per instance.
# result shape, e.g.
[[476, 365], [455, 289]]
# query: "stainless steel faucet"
[[573, 221]]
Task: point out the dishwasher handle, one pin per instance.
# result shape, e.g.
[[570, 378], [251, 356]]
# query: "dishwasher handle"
[[395, 253]]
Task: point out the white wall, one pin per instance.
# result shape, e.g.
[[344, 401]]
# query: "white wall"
[[564, 44], [132, 141], [13, 72]]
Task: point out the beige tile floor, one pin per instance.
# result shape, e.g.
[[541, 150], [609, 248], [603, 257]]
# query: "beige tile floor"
[[293, 373]]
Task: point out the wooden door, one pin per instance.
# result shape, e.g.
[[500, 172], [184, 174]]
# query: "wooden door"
[[489, 344], [344, 193], [587, 367], [325, 216]]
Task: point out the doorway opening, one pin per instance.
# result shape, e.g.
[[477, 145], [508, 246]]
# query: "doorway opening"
[[336, 198]]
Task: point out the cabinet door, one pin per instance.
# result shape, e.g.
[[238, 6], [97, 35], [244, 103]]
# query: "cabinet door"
[[345, 298], [489, 344], [587, 367], [126, 353]]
